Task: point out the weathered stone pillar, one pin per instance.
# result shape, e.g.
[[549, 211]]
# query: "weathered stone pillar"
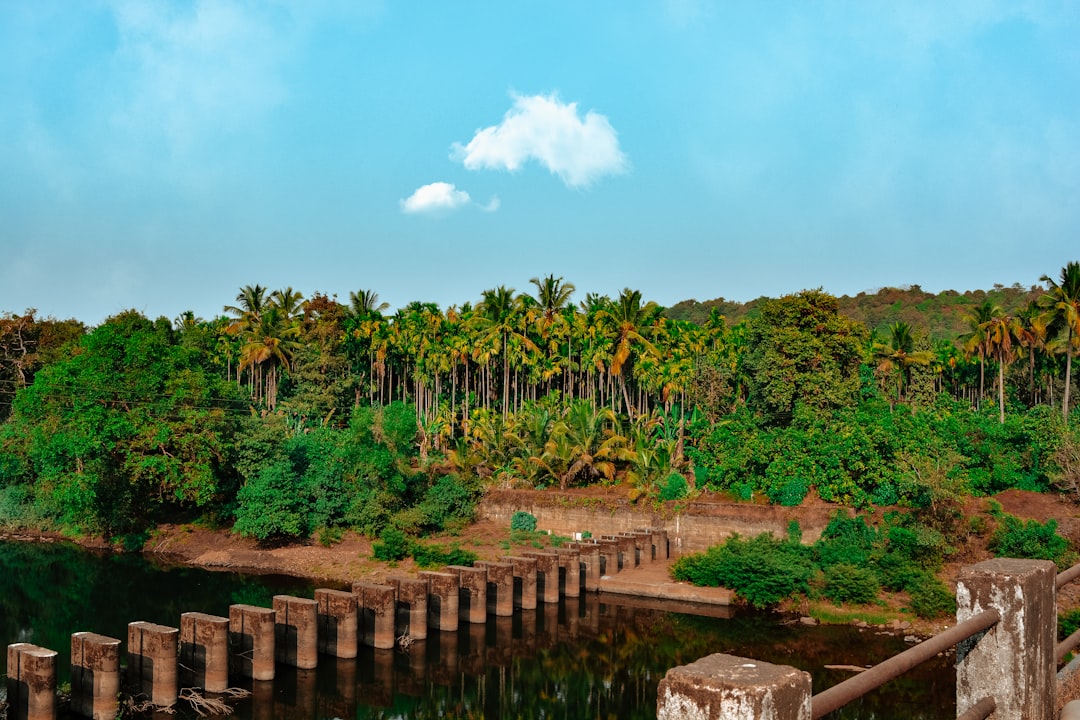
[[589, 554], [733, 688], [413, 592], [525, 570], [645, 546], [31, 682], [152, 655], [338, 620], [95, 676], [1013, 662], [628, 549], [296, 631], [609, 556], [500, 587], [570, 564], [547, 570], [472, 605], [251, 641], [379, 604], [442, 600], [204, 651]]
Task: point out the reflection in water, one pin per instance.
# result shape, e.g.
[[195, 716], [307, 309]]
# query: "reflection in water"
[[582, 658]]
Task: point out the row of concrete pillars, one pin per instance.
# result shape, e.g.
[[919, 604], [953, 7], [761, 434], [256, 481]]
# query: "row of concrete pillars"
[[207, 649]]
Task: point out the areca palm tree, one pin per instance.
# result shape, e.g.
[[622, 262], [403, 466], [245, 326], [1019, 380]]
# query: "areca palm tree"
[[499, 317], [1062, 303], [1000, 332], [899, 354]]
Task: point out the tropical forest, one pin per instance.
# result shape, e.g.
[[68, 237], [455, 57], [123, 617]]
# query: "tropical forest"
[[293, 416]]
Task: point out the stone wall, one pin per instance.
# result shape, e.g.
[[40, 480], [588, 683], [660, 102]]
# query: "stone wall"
[[691, 526]]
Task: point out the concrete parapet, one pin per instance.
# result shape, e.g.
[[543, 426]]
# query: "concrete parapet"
[[629, 548], [204, 651], [442, 600], [570, 564], [646, 548], [609, 556], [733, 688], [296, 631], [1013, 661], [472, 605], [413, 592], [589, 554], [95, 676], [31, 682], [500, 586], [525, 570], [152, 657], [547, 571], [251, 641], [379, 606], [338, 621]]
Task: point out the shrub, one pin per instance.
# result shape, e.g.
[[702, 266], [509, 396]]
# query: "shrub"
[[674, 487], [932, 599], [1033, 540], [523, 521], [845, 540], [428, 556], [762, 571], [847, 583], [270, 506], [393, 545], [448, 501]]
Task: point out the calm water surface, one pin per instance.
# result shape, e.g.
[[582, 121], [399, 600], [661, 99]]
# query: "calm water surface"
[[579, 659]]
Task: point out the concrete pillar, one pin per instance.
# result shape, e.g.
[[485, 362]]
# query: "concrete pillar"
[[296, 631], [589, 554], [525, 569], [609, 556], [472, 581], [152, 655], [95, 676], [1013, 661], [570, 564], [547, 570], [31, 682], [338, 621], [379, 605], [645, 546], [660, 541], [628, 550], [204, 651], [251, 641], [733, 688], [442, 600], [413, 592], [500, 587]]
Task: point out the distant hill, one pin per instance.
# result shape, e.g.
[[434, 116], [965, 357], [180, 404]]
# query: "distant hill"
[[941, 314]]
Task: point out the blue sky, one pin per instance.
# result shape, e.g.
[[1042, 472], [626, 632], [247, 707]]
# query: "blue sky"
[[160, 155]]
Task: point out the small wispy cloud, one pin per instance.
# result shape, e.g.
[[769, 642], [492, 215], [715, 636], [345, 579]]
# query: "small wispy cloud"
[[578, 150], [440, 197]]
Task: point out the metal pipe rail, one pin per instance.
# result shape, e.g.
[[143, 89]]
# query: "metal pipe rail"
[[980, 710], [842, 693]]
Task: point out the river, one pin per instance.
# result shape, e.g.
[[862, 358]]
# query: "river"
[[580, 659]]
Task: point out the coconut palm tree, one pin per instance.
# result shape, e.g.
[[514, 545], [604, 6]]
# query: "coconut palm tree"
[[626, 323], [365, 303], [1000, 332], [899, 354], [1062, 303], [974, 340]]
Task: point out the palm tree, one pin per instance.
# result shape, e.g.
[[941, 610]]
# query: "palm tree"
[[1000, 332], [251, 302], [268, 344], [1062, 303], [1032, 335], [289, 302], [900, 354], [499, 317], [974, 341], [365, 303], [627, 322]]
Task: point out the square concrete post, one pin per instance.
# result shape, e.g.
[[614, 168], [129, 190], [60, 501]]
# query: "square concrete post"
[[644, 545], [589, 554], [1013, 662], [379, 605], [152, 657], [413, 592], [500, 586], [31, 682], [95, 676], [251, 641], [525, 568], [204, 651], [473, 584], [733, 688], [570, 564], [609, 556], [629, 544], [338, 619], [442, 600], [296, 631], [547, 568]]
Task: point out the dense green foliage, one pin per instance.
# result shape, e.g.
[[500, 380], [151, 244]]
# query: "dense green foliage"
[[523, 521]]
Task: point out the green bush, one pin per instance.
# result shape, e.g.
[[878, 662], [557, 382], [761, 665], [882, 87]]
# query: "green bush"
[[393, 545], [523, 521], [448, 501], [674, 487], [899, 573], [762, 571], [847, 583], [269, 505], [429, 556], [932, 599], [1033, 540], [845, 541]]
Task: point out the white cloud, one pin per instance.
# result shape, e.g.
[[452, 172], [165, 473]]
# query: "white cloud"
[[434, 197], [540, 127]]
